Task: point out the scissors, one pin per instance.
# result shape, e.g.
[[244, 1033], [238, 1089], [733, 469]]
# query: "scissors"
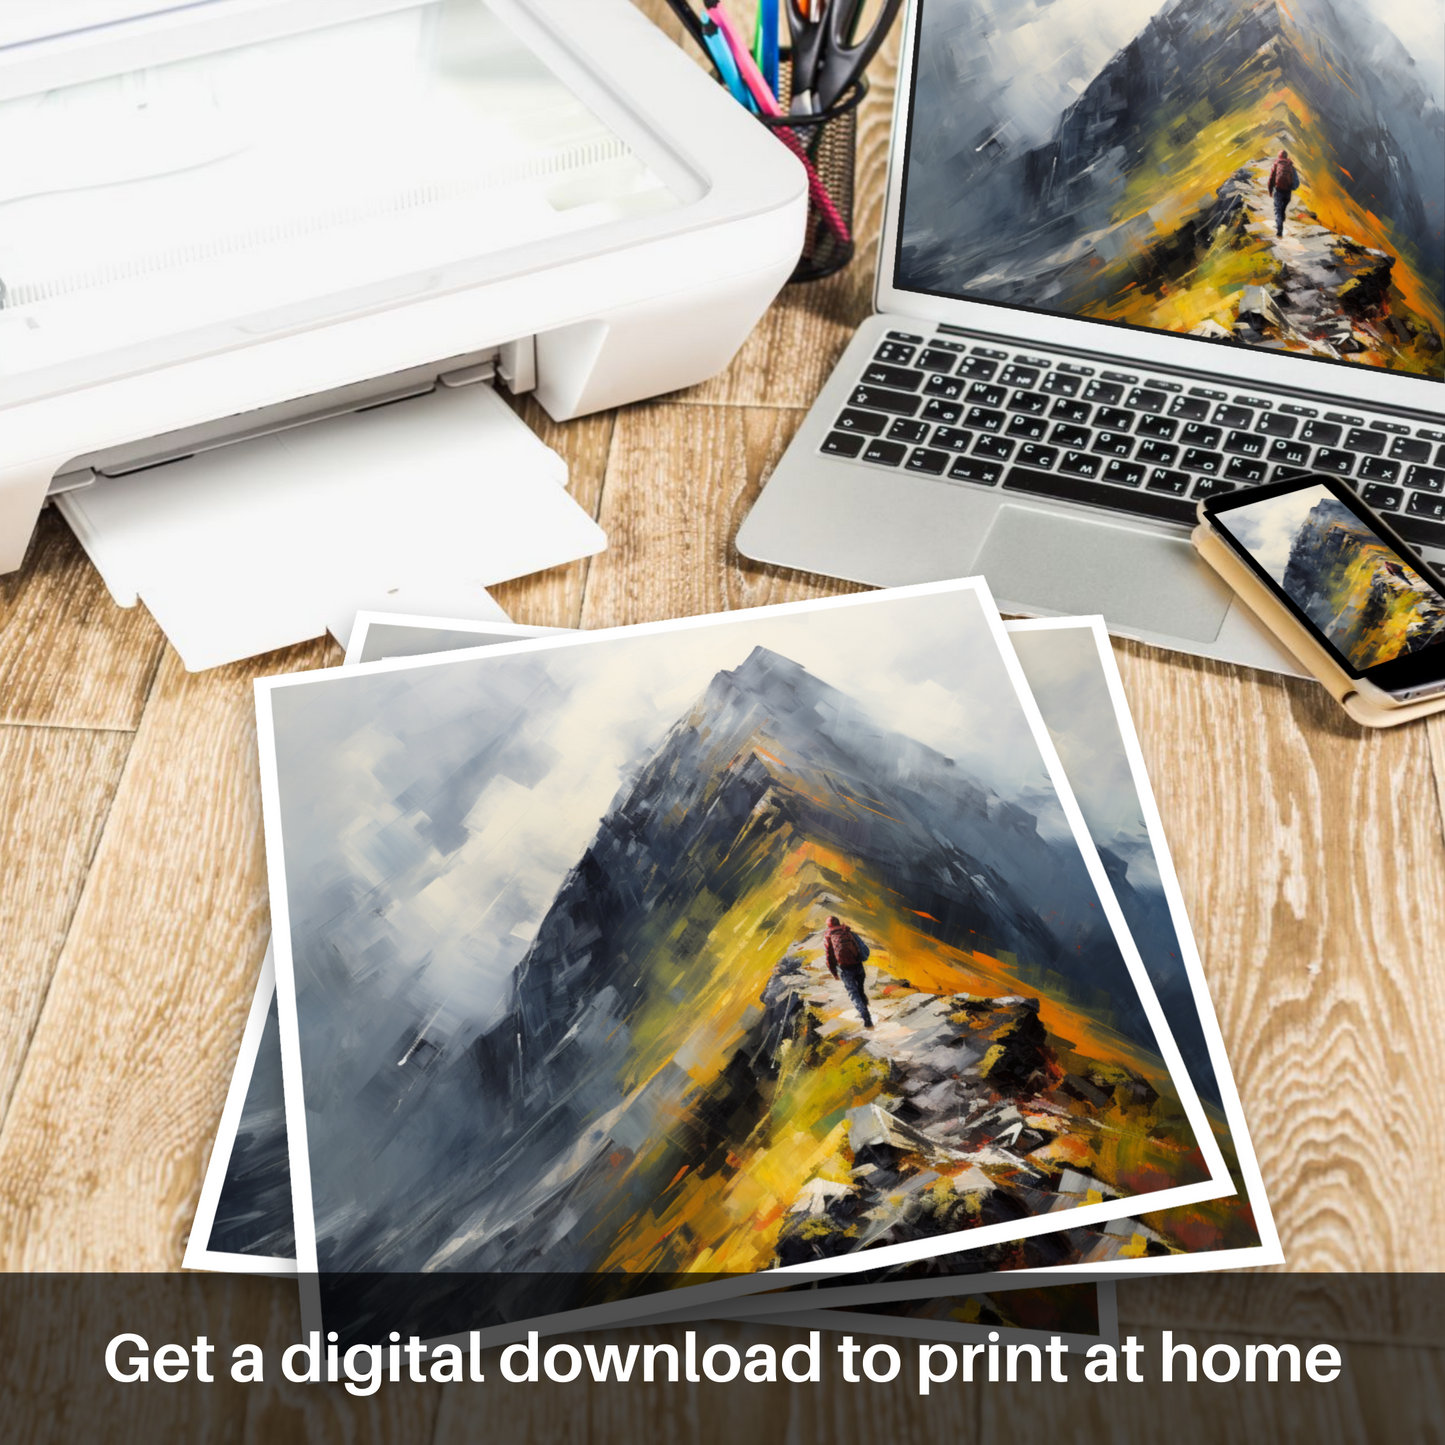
[[827, 55]]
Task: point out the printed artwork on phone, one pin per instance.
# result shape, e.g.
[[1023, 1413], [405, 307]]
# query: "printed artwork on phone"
[[1369, 604]]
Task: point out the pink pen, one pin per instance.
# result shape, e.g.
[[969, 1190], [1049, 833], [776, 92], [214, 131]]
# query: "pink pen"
[[768, 105]]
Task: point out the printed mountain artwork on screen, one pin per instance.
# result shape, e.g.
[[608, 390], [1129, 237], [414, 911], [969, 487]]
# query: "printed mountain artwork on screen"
[[679, 1086], [1356, 590], [1149, 204]]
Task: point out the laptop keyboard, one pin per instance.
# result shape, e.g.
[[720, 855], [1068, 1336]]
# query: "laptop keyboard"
[[1140, 444]]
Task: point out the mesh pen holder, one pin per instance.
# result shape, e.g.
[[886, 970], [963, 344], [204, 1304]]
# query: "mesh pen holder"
[[827, 144]]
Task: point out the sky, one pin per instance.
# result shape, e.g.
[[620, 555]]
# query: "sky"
[[430, 814], [1268, 528]]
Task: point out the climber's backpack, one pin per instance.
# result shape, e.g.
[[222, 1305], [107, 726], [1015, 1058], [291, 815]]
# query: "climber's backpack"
[[1288, 177], [849, 950]]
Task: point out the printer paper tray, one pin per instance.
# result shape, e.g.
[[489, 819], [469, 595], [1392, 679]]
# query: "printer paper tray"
[[417, 506]]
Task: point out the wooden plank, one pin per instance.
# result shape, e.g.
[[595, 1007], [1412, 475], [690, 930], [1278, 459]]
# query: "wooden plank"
[[1312, 863], [554, 598], [69, 657], [679, 482], [829, 1412], [102, 1150], [56, 786], [1343, 1412]]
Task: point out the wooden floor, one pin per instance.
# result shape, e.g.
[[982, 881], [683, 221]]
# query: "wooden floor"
[[133, 906]]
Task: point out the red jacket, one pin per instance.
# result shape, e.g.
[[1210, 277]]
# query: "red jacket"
[[837, 958], [1283, 175]]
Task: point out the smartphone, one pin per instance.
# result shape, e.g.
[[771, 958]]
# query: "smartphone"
[[1368, 598]]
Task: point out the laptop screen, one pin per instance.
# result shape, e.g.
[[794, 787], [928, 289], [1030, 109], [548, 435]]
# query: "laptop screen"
[[1263, 172]]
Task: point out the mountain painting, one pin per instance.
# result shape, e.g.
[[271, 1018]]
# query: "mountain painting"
[[1116, 160], [555, 924], [1367, 602]]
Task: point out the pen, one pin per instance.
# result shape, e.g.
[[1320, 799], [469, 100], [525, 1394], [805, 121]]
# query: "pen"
[[768, 105], [689, 20], [765, 42], [724, 56]]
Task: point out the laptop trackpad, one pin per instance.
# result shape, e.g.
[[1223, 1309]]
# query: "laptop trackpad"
[[1140, 582]]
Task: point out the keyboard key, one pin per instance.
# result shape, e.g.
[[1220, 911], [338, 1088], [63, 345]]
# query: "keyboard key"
[[971, 469], [1057, 383], [877, 374], [1113, 418], [1196, 459], [1235, 416], [1211, 487], [1099, 494], [1157, 385], [1291, 454], [935, 360], [1244, 469], [1244, 444], [981, 419], [1293, 410], [1038, 361], [995, 447], [1157, 426], [843, 444], [1077, 370], [1418, 530], [1344, 418], [1035, 403], [924, 459], [1331, 459], [1127, 377], [1440, 457], [906, 430], [1144, 398], [1372, 443], [1404, 449], [1430, 434], [905, 336], [990, 353], [1036, 456], [1375, 469], [1190, 408], [1257, 401], [1381, 498], [983, 395], [1195, 435], [948, 387], [1421, 504], [895, 353], [1394, 427], [1208, 393], [957, 347], [1071, 436], [878, 398], [1273, 425], [1425, 479], [1081, 464], [1163, 480], [867, 422], [1321, 433], [1107, 392], [937, 410], [886, 454], [1016, 375], [1123, 474], [977, 369], [1112, 444], [1289, 474], [1156, 454], [1031, 428], [1075, 411], [955, 439]]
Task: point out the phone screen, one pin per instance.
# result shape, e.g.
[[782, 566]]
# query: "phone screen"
[[1341, 572]]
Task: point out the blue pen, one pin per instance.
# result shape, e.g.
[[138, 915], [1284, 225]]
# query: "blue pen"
[[768, 30], [727, 67]]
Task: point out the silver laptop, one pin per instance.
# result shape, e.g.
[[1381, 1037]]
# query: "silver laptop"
[[1093, 309]]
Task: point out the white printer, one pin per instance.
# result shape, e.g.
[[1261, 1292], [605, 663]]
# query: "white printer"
[[226, 219]]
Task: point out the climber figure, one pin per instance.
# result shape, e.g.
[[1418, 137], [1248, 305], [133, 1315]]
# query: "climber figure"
[[847, 953], [1283, 183]]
